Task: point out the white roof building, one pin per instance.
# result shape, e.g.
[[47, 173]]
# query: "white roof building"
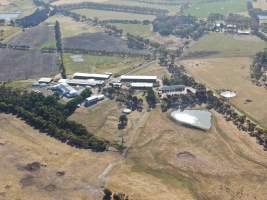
[[91, 76], [94, 99], [142, 85], [45, 80], [132, 78], [82, 82], [66, 90]]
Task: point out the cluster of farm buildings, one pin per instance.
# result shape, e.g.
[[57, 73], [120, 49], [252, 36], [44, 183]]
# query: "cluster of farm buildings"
[[73, 86]]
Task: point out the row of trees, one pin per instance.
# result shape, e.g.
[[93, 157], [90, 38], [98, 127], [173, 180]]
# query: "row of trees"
[[59, 47], [48, 115], [39, 15], [17, 47], [259, 66], [113, 7], [182, 26]]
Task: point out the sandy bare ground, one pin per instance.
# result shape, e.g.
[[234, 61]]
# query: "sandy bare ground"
[[61, 2], [63, 172], [232, 73]]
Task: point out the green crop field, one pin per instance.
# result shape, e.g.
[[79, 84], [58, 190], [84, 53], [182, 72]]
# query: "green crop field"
[[100, 64], [202, 8], [107, 15], [225, 45], [135, 29]]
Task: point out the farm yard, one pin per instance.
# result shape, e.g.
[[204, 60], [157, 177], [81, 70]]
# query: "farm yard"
[[202, 8], [101, 64], [100, 42], [226, 45], [17, 64], [36, 37], [70, 28], [108, 15], [232, 73]]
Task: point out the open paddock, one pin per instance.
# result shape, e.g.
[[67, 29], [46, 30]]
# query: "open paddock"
[[7, 32], [25, 7], [100, 42], [227, 45], [169, 161], [108, 15], [202, 8], [261, 4], [233, 74], [70, 28], [34, 165], [101, 64], [35, 37], [16, 64]]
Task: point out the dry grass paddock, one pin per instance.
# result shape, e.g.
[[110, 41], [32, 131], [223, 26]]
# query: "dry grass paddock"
[[232, 73]]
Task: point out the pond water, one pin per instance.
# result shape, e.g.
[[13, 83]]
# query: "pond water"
[[196, 118], [9, 16]]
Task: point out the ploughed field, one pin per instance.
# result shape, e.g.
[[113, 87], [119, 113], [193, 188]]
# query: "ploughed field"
[[17, 64], [35, 37], [100, 42]]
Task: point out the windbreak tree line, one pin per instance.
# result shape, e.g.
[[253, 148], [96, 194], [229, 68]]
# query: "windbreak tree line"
[[48, 115]]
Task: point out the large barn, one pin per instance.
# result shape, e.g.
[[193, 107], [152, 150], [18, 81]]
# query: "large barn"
[[140, 79]]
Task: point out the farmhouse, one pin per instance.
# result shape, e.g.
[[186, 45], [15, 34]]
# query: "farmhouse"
[[91, 76], [45, 80], [93, 99], [139, 79], [66, 90], [141, 86], [82, 82]]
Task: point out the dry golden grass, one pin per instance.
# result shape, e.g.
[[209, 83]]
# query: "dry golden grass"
[[232, 73], [152, 69], [262, 4], [169, 161], [21, 145], [70, 28]]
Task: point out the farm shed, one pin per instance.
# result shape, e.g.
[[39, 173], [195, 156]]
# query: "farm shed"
[[93, 99], [66, 90], [140, 79], [45, 80], [141, 86], [82, 82], [91, 76]]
